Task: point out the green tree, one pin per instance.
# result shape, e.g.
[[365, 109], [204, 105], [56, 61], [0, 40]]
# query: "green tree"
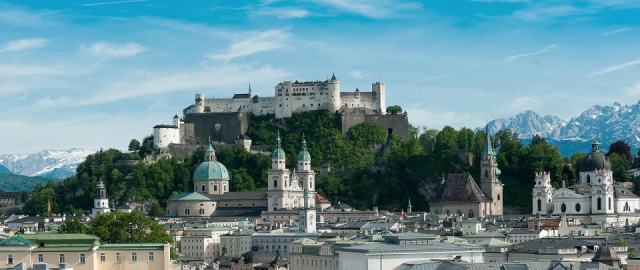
[[622, 149], [122, 227], [395, 109], [134, 145], [207, 109], [73, 226], [619, 166], [428, 139], [510, 150], [156, 210], [446, 140]]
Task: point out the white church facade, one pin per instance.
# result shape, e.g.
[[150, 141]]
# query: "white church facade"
[[596, 198]]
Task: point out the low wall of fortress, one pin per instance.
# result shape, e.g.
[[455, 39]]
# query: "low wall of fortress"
[[397, 123], [220, 127]]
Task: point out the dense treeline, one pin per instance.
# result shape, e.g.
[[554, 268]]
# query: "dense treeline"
[[413, 167]]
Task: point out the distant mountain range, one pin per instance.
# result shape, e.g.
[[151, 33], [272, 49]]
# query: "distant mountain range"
[[608, 124], [47, 163]]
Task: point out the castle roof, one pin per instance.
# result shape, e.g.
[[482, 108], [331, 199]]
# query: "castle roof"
[[460, 188]]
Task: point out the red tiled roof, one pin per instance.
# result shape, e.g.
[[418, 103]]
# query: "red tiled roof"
[[320, 199]]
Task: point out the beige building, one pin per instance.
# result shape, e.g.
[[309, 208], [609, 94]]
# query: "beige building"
[[81, 252], [202, 243], [459, 195], [237, 242]]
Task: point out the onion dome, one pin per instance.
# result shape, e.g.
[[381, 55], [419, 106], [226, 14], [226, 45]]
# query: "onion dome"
[[278, 152], [101, 185], [595, 160], [211, 169], [304, 154]]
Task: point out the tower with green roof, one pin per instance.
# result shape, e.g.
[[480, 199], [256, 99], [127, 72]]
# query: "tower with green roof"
[[307, 216], [489, 183], [101, 201], [211, 176], [279, 188], [304, 174]]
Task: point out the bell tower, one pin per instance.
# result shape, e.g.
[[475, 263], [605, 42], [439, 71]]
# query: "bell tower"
[[489, 183], [101, 201]]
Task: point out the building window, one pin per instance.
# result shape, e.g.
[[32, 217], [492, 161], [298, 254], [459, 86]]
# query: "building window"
[[202, 188], [563, 208], [201, 211], [275, 183], [609, 204], [62, 259], [40, 258], [186, 211], [151, 256], [103, 257], [215, 187], [599, 203], [588, 179], [83, 258], [486, 174], [118, 257], [539, 205], [134, 256], [578, 207], [9, 258]]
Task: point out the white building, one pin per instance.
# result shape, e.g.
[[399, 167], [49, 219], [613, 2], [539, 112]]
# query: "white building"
[[519, 236], [280, 241], [285, 190], [405, 247], [596, 197], [237, 242], [296, 97], [101, 201]]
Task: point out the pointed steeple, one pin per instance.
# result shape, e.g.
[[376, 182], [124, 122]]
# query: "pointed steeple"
[[278, 152], [333, 76], [409, 203], [488, 149], [304, 154], [249, 89]]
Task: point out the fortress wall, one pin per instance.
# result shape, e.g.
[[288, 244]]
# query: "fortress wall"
[[361, 100], [229, 104], [229, 125], [183, 150], [264, 106], [398, 123]]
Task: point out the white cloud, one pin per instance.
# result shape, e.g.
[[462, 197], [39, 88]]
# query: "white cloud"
[[383, 9], [24, 44], [633, 90], [255, 43], [538, 13], [617, 31], [29, 70], [615, 68], [514, 57], [359, 75], [105, 49], [294, 13], [437, 119], [139, 84], [111, 3]]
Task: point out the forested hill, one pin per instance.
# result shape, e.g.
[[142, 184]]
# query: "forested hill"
[[413, 167]]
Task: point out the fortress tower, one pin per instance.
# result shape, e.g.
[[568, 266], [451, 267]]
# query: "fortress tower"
[[379, 97], [334, 94]]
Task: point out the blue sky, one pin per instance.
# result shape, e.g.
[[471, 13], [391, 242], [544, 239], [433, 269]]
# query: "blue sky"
[[92, 74]]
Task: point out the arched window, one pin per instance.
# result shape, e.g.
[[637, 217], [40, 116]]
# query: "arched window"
[[471, 213], [588, 179], [459, 212], [436, 212], [578, 207], [626, 206], [201, 211], [275, 183], [609, 204], [447, 212], [498, 197], [186, 211], [539, 205], [563, 208], [202, 188], [486, 173], [599, 203]]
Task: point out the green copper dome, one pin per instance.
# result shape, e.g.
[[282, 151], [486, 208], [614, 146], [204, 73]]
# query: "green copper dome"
[[211, 170], [304, 154], [101, 185], [278, 152]]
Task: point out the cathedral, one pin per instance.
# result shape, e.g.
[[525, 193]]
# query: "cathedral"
[[211, 196], [596, 198], [460, 195]]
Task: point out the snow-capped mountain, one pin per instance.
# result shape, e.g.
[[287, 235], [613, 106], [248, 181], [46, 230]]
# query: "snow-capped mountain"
[[607, 124], [47, 163]]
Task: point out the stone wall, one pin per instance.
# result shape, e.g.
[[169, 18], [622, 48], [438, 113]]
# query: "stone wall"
[[396, 123], [220, 127], [183, 150]]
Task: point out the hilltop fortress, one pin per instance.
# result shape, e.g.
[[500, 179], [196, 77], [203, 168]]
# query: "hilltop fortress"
[[225, 121]]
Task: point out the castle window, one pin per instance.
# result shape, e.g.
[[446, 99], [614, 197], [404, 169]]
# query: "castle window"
[[186, 211], [471, 213], [201, 211], [626, 206], [459, 212]]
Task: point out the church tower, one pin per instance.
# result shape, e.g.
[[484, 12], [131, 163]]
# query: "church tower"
[[595, 170], [307, 216], [542, 194], [304, 173], [101, 201], [278, 179], [490, 185]]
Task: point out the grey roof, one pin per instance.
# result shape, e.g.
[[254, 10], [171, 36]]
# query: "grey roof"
[[460, 187], [487, 234], [239, 195], [525, 231], [533, 265], [621, 192], [238, 211], [165, 126], [241, 96], [534, 246], [395, 248]]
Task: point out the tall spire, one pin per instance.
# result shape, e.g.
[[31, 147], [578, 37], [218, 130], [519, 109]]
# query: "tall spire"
[[278, 141], [249, 89], [488, 149]]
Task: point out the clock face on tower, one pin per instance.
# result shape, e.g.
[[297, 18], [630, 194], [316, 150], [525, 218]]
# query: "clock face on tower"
[[311, 216], [303, 217], [539, 193]]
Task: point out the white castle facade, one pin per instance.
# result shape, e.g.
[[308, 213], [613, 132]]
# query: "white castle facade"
[[596, 198], [296, 97]]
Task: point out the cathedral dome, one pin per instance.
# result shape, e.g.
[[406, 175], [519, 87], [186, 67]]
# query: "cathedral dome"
[[595, 160], [211, 169]]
